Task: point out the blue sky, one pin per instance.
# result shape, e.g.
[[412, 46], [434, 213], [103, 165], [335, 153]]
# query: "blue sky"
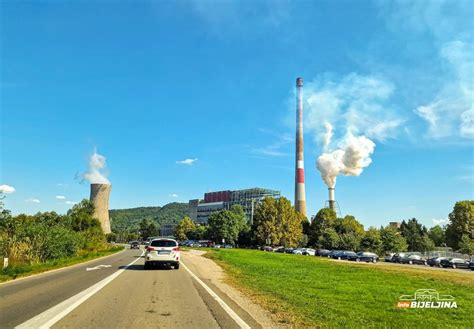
[[151, 84]]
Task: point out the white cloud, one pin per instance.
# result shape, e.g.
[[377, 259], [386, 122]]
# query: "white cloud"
[[451, 112], [354, 103], [60, 197], [174, 195], [440, 222], [70, 202], [7, 189], [188, 162], [32, 200]]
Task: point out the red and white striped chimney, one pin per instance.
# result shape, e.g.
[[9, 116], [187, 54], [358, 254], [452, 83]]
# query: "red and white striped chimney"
[[300, 195]]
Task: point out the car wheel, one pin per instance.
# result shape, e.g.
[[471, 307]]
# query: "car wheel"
[[454, 265], [374, 261], [339, 258], [410, 262], [176, 266], [425, 263], [146, 266], [357, 260]]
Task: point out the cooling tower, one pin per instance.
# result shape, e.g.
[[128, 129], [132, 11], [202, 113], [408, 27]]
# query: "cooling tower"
[[300, 195], [332, 199], [100, 199]]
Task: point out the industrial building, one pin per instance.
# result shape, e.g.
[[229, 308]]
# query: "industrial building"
[[201, 209]]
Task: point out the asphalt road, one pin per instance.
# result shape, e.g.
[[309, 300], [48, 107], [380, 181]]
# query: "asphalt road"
[[161, 298]]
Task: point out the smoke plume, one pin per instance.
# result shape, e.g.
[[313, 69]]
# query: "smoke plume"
[[349, 159], [97, 163], [327, 135]]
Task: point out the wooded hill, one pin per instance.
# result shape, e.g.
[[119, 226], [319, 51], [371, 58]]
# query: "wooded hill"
[[129, 219]]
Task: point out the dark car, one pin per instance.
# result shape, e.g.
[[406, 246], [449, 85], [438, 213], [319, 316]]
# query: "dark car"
[[454, 263], [322, 252], [397, 258], [289, 250], [364, 256], [134, 245], [435, 261], [414, 259], [332, 252], [471, 265], [345, 254]]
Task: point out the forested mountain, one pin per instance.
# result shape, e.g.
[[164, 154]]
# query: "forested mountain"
[[129, 219]]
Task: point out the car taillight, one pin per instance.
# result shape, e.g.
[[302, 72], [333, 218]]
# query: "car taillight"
[[150, 249], [175, 249]]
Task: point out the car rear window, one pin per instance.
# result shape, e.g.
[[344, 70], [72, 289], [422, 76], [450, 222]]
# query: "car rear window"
[[163, 243]]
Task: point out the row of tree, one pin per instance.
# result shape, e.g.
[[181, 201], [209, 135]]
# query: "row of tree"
[[48, 235], [277, 223]]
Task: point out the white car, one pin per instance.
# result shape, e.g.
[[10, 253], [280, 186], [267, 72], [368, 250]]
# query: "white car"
[[162, 252]]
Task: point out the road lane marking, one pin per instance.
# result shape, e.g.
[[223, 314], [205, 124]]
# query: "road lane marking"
[[49, 317], [98, 267], [241, 323]]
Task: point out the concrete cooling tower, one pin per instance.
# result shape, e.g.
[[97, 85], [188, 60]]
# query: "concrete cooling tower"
[[100, 199]]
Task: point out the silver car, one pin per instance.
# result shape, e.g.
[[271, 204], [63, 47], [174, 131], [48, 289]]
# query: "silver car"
[[162, 252]]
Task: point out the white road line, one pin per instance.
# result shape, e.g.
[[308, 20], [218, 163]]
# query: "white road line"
[[241, 323], [49, 317], [98, 267]]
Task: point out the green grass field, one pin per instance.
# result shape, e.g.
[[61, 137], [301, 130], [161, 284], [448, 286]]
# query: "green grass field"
[[20, 270], [305, 291]]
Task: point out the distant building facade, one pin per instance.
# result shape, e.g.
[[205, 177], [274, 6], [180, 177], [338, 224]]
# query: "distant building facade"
[[201, 209]]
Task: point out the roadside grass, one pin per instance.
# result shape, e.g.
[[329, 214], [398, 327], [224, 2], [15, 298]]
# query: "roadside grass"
[[303, 291], [15, 271]]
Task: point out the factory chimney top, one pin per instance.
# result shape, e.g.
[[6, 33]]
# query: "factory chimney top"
[[299, 82]]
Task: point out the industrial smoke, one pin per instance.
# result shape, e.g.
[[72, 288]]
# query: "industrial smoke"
[[97, 163], [100, 190], [350, 159]]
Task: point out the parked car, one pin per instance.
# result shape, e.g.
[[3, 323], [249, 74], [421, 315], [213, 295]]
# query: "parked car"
[[298, 251], [397, 258], [309, 252], [471, 264], [389, 258], [279, 249], [454, 263], [414, 259], [343, 254], [435, 261], [364, 256], [134, 245], [323, 252], [162, 252], [289, 250], [267, 248], [332, 252]]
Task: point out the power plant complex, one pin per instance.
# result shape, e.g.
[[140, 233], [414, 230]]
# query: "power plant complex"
[[300, 195], [100, 194]]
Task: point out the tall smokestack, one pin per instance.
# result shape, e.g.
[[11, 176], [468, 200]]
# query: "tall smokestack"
[[332, 199], [100, 199], [300, 195]]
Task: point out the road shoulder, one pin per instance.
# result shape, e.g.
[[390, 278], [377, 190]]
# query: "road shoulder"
[[213, 275]]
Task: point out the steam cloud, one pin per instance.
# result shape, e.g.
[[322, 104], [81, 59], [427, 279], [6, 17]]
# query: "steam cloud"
[[349, 159], [97, 163]]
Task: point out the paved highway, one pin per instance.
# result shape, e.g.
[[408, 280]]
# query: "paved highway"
[[119, 296]]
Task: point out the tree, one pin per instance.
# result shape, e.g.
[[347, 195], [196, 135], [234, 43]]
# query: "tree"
[[392, 240], [416, 236], [349, 224], [466, 245], [437, 235], [329, 239], [227, 224], [461, 223], [147, 229], [184, 228], [276, 222], [325, 218], [371, 240]]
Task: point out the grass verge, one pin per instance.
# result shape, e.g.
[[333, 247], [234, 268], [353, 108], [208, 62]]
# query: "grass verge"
[[20, 270], [316, 292]]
